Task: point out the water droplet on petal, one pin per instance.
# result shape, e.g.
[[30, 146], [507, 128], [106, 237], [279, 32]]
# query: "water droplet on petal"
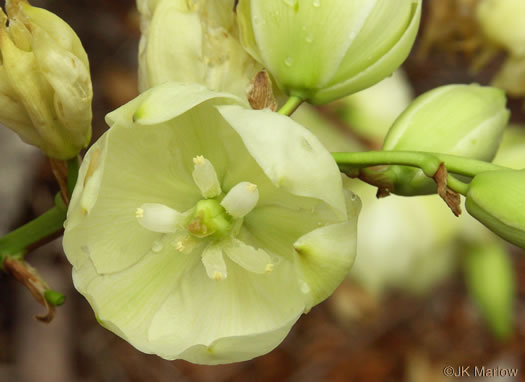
[[317, 3], [157, 246], [290, 3], [309, 38], [305, 288], [288, 61]]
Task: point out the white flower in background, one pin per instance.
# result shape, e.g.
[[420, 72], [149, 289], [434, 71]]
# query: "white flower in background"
[[403, 243], [194, 41], [45, 85], [202, 230], [372, 111], [503, 22], [321, 50]]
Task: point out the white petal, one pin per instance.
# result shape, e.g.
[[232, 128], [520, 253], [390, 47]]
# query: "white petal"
[[251, 259], [291, 156], [110, 193], [158, 217], [241, 199], [325, 255], [126, 302], [205, 177], [214, 262], [170, 100], [378, 70], [236, 319]]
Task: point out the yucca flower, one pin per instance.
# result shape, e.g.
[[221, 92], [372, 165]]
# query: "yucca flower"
[[202, 230]]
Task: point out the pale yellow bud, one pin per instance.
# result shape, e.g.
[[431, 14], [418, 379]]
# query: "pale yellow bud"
[[45, 85]]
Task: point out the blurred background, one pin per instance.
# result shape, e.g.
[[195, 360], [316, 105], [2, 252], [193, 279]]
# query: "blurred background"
[[427, 291]]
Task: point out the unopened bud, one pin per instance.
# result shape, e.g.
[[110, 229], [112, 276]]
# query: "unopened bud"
[[463, 120], [497, 199], [45, 84], [322, 50]]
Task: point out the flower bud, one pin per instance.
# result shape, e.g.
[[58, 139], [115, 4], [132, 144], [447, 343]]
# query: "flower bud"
[[491, 283], [193, 41], [502, 23], [497, 199], [321, 50], [464, 120], [45, 85]]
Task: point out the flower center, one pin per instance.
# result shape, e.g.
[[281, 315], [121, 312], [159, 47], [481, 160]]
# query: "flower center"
[[213, 223], [210, 218]]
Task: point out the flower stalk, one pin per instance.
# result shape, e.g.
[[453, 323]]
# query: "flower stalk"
[[16, 243]]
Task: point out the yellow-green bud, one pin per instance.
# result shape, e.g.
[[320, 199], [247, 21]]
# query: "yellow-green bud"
[[491, 283], [502, 23], [45, 85], [497, 199], [464, 120], [321, 50]]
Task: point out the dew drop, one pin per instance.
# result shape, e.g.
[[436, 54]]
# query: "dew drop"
[[288, 61], [305, 288], [309, 38], [157, 246], [317, 3], [290, 3]]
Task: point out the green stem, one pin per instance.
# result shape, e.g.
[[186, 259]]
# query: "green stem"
[[457, 185], [455, 164], [16, 242], [291, 105]]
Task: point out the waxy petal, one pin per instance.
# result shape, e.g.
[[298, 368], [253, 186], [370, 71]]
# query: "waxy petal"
[[295, 154]]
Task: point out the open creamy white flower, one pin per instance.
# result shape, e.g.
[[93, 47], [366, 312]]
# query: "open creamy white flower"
[[202, 230]]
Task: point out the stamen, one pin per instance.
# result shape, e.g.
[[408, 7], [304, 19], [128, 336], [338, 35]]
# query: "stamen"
[[214, 262], [183, 242], [241, 199], [251, 259], [159, 218], [205, 177], [269, 268], [179, 246]]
